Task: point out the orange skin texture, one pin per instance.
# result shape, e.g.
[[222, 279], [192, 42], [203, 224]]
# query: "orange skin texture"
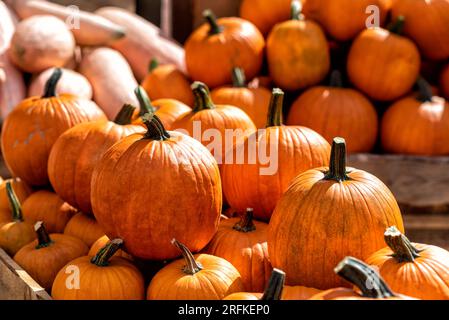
[[177, 194], [254, 101], [41, 42], [100, 243], [427, 277], [383, 65], [22, 192], [216, 280], [332, 220], [75, 155], [84, 227], [246, 251], [120, 280], [337, 112], [166, 81], [445, 82], [48, 207], [288, 293], [298, 149], [413, 127], [14, 235], [298, 54], [44, 264], [32, 128], [210, 58], [350, 294]]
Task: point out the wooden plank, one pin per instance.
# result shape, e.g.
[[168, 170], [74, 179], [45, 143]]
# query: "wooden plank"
[[92, 5], [428, 229]]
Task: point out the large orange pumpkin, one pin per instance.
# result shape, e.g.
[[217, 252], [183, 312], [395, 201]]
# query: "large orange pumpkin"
[[265, 162], [325, 215], [444, 82], [265, 14], [33, 126], [217, 46], [84, 227], [177, 192], [22, 192]]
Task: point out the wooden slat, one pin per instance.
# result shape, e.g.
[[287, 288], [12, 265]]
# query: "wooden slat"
[[427, 228]]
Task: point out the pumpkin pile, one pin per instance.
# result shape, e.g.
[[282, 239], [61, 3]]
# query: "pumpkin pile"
[[217, 170]]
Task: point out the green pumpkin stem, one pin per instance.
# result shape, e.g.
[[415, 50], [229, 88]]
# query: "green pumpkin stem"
[[246, 223], [397, 26], [101, 259], [192, 266], [125, 115], [425, 90], [14, 203], [337, 163], [275, 286], [212, 21], [403, 249], [336, 80], [144, 101], [154, 63], [52, 82], [238, 78], [203, 100], [275, 108], [366, 279], [43, 238], [156, 130], [296, 11]]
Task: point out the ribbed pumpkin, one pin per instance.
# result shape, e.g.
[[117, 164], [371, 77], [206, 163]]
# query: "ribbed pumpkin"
[[100, 243], [265, 14], [103, 277], [417, 124], [414, 269], [22, 192], [335, 111], [195, 277], [47, 206], [444, 82], [394, 61], [325, 215], [84, 227], [177, 192], [253, 100], [43, 258], [217, 46], [33, 126], [266, 162], [243, 242], [297, 52], [78, 150]]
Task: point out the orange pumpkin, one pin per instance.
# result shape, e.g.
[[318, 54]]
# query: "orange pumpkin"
[[84, 227], [266, 162], [100, 243], [335, 111], [312, 220], [22, 192], [217, 46], [423, 113], [297, 52], [444, 82], [196, 277], [33, 126]]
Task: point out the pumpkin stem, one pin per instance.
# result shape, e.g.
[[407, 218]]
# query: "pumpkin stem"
[[246, 223], [212, 21], [238, 78], [275, 109], [125, 115], [14, 203], [397, 26], [43, 237], [191, 266], [154, 63], [425, 90], [296, 11], [52, 82], [156, 130], [275, 286], [336, 79], [337, 163], [202, 97], [363, 277], [101, 259], [144, 101], [403, 249]]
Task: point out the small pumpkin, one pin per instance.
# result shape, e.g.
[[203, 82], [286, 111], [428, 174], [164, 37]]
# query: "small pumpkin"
[[312, 220], [297, 52], [103, 277], [43, 258], [335, 111], [217, 46], [100, 243], [195, 277], [444, 82], [22, 193], [84, 227]]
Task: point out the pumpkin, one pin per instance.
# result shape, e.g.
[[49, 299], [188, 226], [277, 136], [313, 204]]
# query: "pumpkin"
[[335, 111], [33, 126], [208, 119], [167, 82], [103, 277], [12, 86], [17, 233], [217, 46], [422, 113], [100, 243], [195, 277], [297, 52], [254, 101], [31, 54], [22, 192], [177, 192], [84, 227], [43, 258], [8, 23], [266, 162], [48, 207], [445, 82], [383, 64], [414, 269], [312, 220], [426, 25], [298, 293], [243, 242], [78, 150]]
